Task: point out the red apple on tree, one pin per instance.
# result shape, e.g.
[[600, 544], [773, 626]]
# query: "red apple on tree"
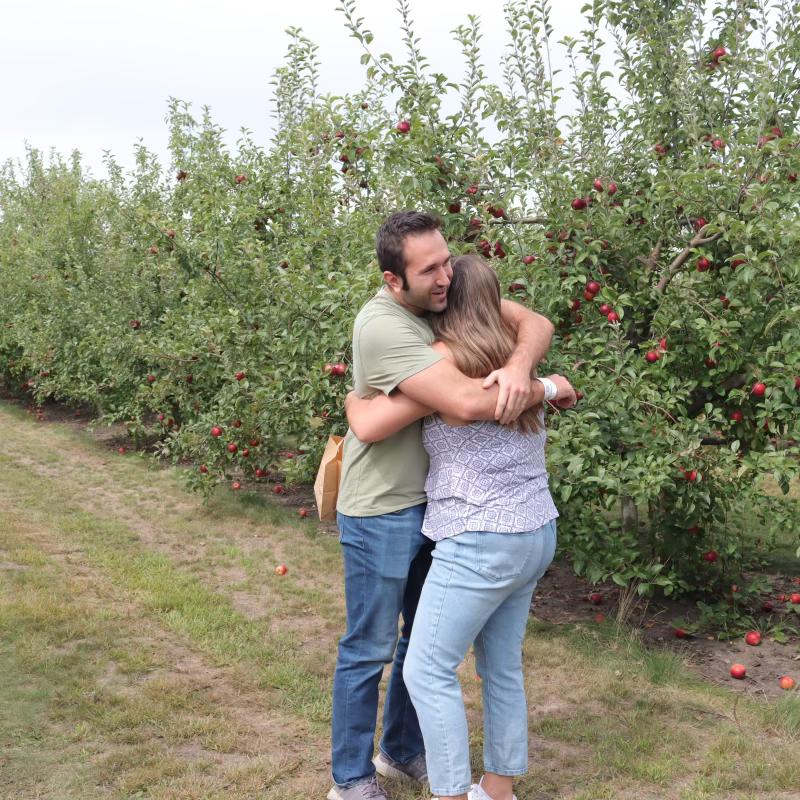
[[613, 317], [240, 179], [404, 126], [652, 356], [612, 190], [216, 431], [528, 260], [233, 447], [578, 204], [598, 185], [711, 556], [759, 389], [240, 376]]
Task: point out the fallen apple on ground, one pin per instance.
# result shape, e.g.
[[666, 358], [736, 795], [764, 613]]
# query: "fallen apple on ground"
[[738, 671]]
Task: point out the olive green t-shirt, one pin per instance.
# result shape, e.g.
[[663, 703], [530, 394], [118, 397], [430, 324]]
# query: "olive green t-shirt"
[[390, 344]]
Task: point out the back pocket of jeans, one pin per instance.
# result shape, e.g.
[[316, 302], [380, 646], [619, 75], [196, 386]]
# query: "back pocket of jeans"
[[502, 556]]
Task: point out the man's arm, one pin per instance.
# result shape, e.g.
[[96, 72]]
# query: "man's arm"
[[534, 334]]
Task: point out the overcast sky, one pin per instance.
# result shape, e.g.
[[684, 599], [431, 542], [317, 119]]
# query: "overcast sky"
[[96, 74]]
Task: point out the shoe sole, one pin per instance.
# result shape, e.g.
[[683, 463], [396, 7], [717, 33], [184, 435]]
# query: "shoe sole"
[[388, 771]]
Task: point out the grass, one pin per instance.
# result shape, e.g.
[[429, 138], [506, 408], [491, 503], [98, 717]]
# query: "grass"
[[148, 650]]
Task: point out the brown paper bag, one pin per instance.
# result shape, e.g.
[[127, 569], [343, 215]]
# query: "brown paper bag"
[[326, 486]]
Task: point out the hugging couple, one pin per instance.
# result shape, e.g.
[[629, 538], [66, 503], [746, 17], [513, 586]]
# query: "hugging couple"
[[445, 519]]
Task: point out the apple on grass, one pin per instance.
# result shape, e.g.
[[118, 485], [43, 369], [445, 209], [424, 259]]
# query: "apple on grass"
[[281, 569], [786, 682], [303, 512], [753, 638]]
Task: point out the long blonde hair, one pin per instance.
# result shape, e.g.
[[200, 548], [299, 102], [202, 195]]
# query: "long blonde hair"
[[471, 326]]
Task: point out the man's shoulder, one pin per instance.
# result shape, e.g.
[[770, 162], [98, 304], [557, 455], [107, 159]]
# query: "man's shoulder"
[[381, 309]]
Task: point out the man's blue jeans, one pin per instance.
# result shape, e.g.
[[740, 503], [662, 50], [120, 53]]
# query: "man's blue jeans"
[[386, 559]]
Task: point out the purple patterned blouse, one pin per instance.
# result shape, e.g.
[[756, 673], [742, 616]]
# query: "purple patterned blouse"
[[485, 477]]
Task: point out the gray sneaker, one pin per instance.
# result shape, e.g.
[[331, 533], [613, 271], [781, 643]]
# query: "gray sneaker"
[[366, 790], [414, 771]]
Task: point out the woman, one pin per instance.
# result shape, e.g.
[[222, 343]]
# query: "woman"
[[493, 520]]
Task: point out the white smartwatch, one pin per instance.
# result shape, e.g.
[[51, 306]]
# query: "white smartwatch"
[[550, 389]]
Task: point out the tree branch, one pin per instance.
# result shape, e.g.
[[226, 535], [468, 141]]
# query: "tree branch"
[[682, 257]]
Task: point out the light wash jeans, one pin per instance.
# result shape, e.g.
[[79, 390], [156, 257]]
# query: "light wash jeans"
[[386, 559], [478, 589]]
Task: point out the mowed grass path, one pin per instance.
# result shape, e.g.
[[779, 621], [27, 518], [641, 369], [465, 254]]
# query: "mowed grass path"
[[148, 650]]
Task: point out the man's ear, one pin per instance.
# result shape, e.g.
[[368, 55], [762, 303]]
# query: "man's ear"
[[392, 280]]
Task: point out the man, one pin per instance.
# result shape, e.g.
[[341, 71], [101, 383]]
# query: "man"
[[382, 499]]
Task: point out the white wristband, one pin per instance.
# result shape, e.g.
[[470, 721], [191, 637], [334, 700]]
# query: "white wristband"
[[550, 389]]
